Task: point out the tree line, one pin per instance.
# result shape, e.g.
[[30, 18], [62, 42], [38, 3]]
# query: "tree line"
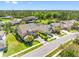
[[42, 14]]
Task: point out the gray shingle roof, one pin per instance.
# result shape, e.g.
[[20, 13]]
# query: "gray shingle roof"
[[30, 18], [33, 27]]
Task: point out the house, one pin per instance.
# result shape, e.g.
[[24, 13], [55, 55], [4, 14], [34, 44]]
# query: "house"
[[64, 25], [15, 21], [53, 25], [44, 28], [30, 18], [2, 23], [7, 17], [2, 40], [26, 29], [67, 25]]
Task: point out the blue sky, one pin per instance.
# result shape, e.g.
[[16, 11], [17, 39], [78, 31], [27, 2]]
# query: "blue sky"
[[39, 5]]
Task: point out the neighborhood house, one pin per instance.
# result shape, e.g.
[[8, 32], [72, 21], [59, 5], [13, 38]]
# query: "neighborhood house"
[[25, 29], [29, 18], [2, 40]]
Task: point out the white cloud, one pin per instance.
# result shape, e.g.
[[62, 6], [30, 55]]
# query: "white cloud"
[[13, 2]]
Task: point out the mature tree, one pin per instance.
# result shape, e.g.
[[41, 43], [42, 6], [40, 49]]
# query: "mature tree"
[[57, 29], [29, 40]]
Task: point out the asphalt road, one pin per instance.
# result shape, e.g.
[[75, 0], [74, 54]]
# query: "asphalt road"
[[45, 49]]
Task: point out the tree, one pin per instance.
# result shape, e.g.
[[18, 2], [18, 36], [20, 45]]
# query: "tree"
[[77, 40], [29, 40], [57, 29], [76, 24], [68, 53]]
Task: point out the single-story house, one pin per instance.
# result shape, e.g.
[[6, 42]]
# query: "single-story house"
[[53, 25], [63, 24], [15, 21], [2, 23], [67, 25], [7, 17], [29, 18], [25, 29], [2, 40]]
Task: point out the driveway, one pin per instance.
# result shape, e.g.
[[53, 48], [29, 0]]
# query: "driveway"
[[65, 31], [45, 49], [41, 40], [55, 36]]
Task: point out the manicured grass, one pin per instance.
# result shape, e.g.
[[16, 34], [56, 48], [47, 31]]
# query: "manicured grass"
[[6, 20], [73, 30], [49, 40], [35, 42], [14, 46], [31, 49], [61, 34], [43, 36]]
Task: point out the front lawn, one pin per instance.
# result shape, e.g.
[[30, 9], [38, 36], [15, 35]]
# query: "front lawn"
[[43, 36], [50, 39], [73, 30], [14, 46]]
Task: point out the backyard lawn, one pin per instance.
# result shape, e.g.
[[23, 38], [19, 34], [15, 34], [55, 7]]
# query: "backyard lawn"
[[6, 20], [14, 45]]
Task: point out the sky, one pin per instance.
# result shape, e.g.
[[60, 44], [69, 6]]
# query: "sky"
[[39, 5]]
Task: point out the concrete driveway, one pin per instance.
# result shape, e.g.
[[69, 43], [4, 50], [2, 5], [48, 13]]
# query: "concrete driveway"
[[41, 40]]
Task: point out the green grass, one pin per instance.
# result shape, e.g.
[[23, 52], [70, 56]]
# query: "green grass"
[[35, 42], [6, 20], [46, 21], [61, 34], [72, 30], [49, 40], [19, 55], [15, 46]]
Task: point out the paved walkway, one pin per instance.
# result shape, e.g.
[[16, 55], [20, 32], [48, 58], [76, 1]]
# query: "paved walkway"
[[65, 31]]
